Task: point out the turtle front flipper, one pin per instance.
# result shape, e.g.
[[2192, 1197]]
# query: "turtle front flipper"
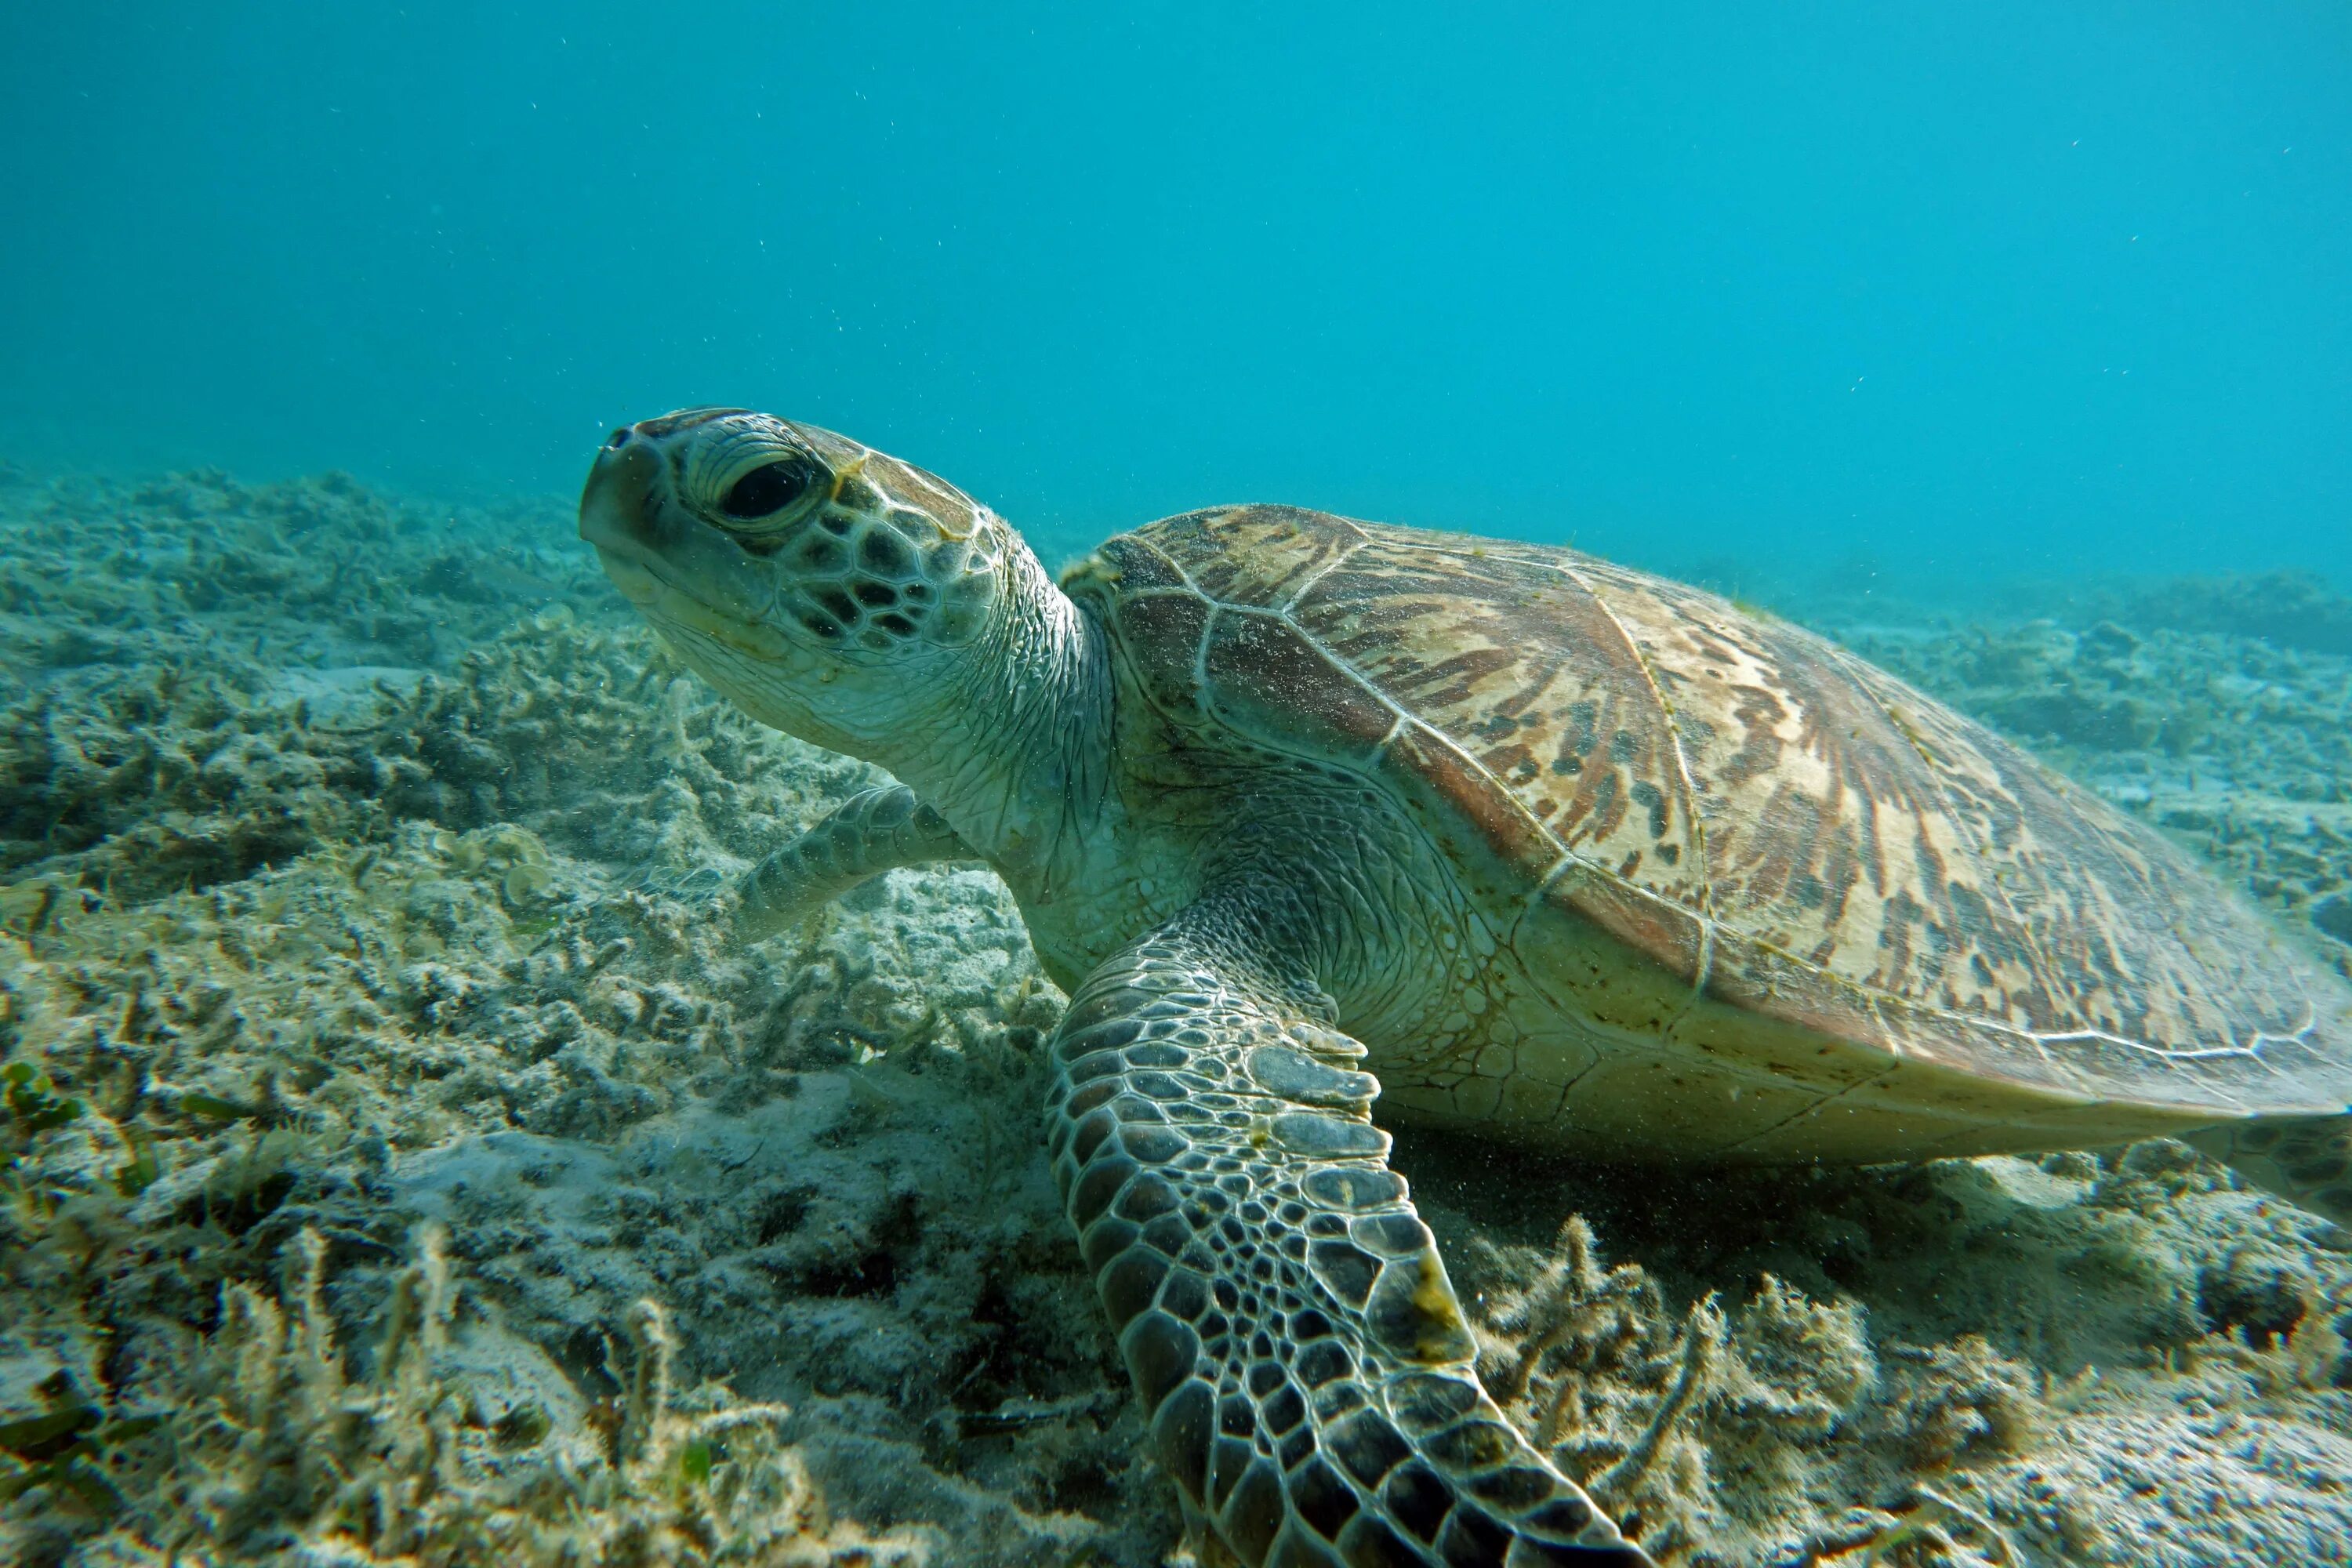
[[867, 835], [1304, 1365]]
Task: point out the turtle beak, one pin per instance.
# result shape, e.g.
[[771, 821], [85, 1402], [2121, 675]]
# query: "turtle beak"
[[616, 506]]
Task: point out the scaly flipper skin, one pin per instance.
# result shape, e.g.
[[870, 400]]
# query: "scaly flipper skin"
[[867, 835], [2307, 1160], [1304, 1365]]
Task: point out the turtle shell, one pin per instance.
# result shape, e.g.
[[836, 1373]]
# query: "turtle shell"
[[1770, 825]]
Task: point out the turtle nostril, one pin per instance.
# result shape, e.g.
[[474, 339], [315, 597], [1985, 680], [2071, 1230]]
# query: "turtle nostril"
[[620, 438]]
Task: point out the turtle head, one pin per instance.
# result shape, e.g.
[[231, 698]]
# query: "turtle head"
[[827, 588]]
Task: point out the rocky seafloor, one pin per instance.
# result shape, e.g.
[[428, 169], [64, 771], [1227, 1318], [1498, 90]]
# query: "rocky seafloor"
[[403, 1165]]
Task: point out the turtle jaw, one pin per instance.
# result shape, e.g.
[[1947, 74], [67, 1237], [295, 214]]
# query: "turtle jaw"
[[614, 509]]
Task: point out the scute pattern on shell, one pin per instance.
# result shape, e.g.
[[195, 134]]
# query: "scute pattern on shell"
[[1799, 833]]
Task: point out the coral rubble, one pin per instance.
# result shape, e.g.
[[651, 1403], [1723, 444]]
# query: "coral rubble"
[[404, 1164]]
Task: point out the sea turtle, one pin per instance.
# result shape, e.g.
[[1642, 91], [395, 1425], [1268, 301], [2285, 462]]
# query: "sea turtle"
[[1564, 852]]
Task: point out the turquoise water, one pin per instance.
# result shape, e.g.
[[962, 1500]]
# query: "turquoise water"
[[2016, 287]]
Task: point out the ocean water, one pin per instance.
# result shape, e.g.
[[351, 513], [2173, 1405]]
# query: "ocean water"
[[2030, 290], [433, 1128]]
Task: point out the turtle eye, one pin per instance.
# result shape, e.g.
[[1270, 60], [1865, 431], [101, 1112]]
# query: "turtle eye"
[[767, 490]]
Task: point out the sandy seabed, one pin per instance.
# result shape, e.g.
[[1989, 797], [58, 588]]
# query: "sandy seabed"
[[403, 1165]]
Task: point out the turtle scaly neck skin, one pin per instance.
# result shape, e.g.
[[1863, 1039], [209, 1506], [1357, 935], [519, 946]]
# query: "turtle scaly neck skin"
[[1015, 751]]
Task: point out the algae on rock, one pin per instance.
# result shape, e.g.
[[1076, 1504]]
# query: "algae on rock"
[[267, 1446]]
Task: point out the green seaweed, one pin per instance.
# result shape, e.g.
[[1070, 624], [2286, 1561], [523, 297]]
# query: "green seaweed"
[[138, 1173], [34, 1105], [212, 1108], [71, 1450]]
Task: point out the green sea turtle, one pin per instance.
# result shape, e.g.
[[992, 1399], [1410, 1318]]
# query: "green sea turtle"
[[1563, 852]]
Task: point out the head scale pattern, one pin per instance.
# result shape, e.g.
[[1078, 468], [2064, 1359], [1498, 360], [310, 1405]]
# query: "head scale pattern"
[[867, 553]]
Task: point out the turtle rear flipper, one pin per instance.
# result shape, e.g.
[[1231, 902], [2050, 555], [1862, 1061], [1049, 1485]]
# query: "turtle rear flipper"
[[868, 834], [2306, 1160], [1306, 1368]]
